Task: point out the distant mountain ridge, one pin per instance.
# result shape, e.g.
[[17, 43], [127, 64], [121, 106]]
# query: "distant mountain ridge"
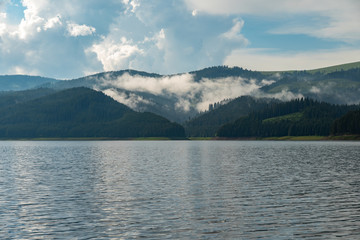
[[22, 82], [179, 97]]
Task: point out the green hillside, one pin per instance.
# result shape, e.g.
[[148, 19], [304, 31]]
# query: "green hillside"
[[81, 112], [324, 70], [341, 67], [300, 117]]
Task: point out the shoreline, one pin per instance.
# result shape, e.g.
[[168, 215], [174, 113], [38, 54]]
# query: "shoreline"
[[283, 138], [287, 138]]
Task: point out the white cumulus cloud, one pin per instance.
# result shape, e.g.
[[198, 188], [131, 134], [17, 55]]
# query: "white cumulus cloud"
[[131, 5], [53, 22], [68, 39], [234, 33], [2, 24], [115, 55], [76, 30]]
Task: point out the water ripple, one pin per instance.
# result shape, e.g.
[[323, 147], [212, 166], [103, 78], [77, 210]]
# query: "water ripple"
[[179, 190]]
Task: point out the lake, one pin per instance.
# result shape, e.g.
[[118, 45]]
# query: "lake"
[[179, 190]]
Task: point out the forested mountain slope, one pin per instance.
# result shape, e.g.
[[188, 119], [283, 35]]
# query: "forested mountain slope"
[[81, 112], [206, 124], [300, 117], [14, 97]]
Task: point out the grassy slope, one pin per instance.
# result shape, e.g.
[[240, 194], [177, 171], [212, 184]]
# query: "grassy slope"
[[289, 117], [335, 68], [324, 70]]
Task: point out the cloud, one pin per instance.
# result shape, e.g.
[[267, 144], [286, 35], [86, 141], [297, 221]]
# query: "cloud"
[[76, 30], [272, 60], [314, 89], [68, 39], [234, 33], [160, 39], [2, 24], [284, 95], [268, 8], [19, 70], [53, 22], [189, 95], [46, 38], [340, 19], [115, 55], [176, 84], [129, 99], [131, 5], [187, 92], [31, 24], [169, 40]]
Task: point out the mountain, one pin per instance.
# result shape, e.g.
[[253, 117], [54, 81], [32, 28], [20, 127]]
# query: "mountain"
[[22, 82], [179, 97], [206, 124], [224, 72], [126, 87], [80, 112], [299, 117], [337, 87]]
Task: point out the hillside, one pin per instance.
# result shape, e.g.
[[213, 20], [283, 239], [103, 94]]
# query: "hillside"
[[324, 70], [300, 117], [81, 112], [338, 87], [206, 125], [14, 97], [336, 68], [224, 72]]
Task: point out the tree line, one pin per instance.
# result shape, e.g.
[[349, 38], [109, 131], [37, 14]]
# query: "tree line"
[[300, 117]]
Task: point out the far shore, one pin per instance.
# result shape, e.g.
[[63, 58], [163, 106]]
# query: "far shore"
[[283, 138], [287, 138]]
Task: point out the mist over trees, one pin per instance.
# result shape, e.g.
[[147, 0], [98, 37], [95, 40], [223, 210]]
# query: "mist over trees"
[[206, 124]]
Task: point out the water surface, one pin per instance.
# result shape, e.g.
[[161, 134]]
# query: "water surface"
[[179, 190]]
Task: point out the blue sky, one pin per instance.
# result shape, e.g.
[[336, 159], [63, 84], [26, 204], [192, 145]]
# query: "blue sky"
[[68, 39]]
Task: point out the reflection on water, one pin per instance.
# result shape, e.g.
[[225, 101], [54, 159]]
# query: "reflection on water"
[[179, 189]]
